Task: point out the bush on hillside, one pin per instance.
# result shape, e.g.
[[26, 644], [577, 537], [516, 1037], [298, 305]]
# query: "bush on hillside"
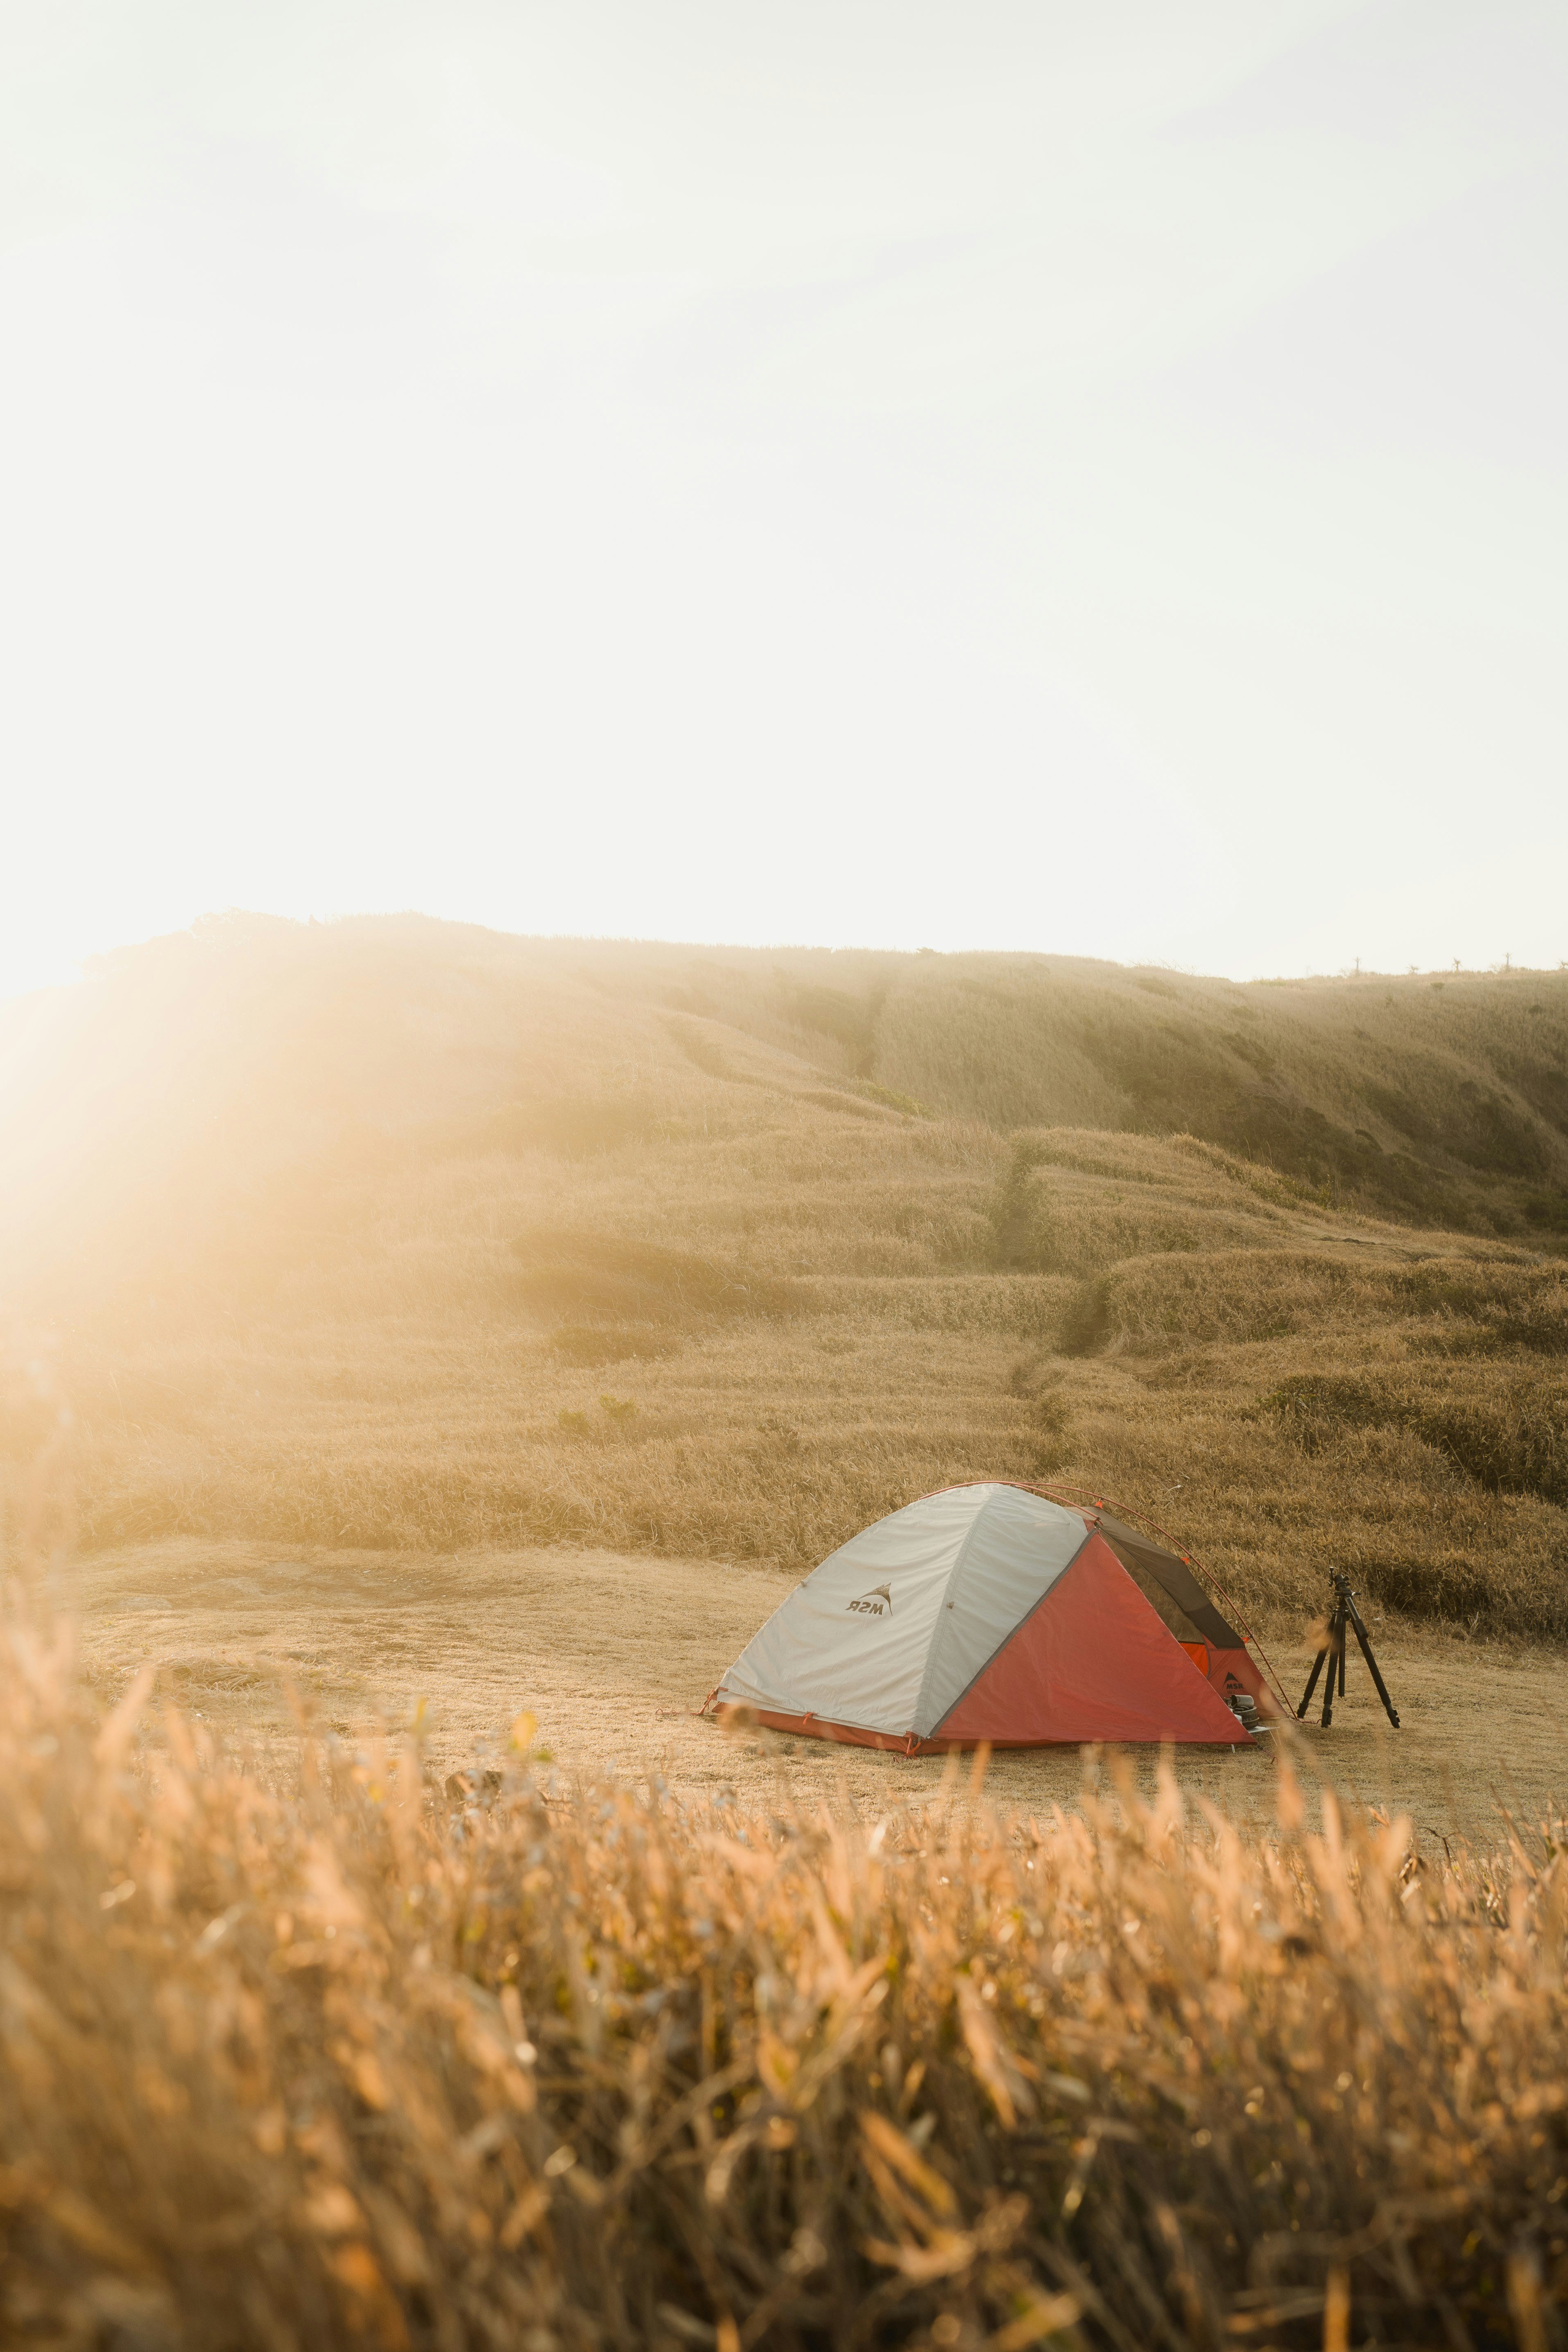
[[1441, 1584], [1517, 1444]]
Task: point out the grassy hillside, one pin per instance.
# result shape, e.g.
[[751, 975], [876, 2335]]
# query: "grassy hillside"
[[398, 1233]]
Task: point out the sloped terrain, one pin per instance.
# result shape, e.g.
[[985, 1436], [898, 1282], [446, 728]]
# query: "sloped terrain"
[[399, 1235]]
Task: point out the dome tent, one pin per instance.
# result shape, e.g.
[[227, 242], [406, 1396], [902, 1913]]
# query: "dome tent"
[[986, 1612]]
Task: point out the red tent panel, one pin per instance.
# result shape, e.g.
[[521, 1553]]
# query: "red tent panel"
[[1091, 1662], [1230, 1670]]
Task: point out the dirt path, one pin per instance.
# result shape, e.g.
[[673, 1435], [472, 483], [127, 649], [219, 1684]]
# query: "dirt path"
[[612, 1653]]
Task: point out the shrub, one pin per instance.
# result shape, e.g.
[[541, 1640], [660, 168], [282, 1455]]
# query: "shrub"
[[1517, 1445], [1437, 1584]]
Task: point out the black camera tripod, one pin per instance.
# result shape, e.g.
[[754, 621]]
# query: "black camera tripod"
[[1343, 1615]]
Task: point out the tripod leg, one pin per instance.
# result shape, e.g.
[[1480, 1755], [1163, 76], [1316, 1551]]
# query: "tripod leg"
[[1360, 1634], [1312, 1684], [1336, 1659], [1345, 1645]]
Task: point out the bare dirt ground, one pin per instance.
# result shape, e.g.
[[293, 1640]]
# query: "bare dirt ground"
[[613, 1653]]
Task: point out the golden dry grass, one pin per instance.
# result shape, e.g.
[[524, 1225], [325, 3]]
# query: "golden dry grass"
[[344, 1268], [614, 1652], [300, 2052], [346, 1235]]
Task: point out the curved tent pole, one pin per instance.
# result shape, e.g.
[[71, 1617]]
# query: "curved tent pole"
[[1066, 1496]]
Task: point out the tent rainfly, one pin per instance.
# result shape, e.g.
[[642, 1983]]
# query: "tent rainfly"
[[990, 1613]]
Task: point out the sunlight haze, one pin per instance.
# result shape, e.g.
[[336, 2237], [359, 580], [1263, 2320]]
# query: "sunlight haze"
[[1079, 480], [783, 1105]]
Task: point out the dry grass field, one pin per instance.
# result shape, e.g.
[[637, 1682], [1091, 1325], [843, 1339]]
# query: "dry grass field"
[[249, 1639], [302, 2053], [454, 1345], [402, 1238]]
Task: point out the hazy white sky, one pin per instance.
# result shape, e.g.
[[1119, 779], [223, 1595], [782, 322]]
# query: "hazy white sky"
[[994, 474]]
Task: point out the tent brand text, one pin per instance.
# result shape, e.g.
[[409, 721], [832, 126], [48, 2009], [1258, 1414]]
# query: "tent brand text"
[[878, 1604]]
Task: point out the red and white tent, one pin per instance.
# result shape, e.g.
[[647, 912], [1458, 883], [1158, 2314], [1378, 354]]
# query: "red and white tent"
[[989, 1613]]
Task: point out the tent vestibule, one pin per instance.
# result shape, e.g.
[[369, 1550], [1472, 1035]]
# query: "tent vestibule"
[[1214, 1645]]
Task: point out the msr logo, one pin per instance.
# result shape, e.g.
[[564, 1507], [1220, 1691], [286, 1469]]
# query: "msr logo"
[[878, 1604]]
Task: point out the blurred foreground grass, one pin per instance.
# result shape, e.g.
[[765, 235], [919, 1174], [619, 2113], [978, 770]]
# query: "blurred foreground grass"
[[305, 2050]]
